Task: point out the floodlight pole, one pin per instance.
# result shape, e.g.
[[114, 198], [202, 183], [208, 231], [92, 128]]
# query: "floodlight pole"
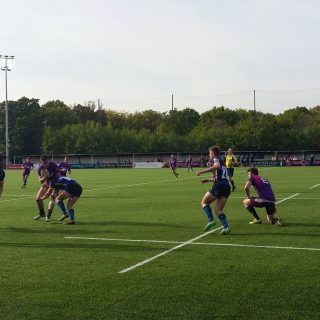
[[6, 68], [254, 117]]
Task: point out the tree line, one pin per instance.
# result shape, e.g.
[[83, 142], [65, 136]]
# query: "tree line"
[[55, 128]]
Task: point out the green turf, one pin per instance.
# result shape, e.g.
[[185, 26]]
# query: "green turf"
[[44, 275]]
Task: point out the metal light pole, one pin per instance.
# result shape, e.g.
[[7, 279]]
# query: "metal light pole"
[[6, 65]]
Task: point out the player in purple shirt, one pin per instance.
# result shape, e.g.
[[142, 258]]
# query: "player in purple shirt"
[[64, 167], [47, 171], [173, 165], [2, 172], [27, 167], [265, 199]]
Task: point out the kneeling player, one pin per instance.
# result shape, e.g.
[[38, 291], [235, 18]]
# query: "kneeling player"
[[265, 199]]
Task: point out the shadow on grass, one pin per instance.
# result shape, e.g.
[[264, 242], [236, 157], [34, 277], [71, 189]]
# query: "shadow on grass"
[[130, 223], [103, 245], [303, 225]]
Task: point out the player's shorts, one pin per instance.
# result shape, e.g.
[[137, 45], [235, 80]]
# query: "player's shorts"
[[2, 174], [220, 190], [25, 172], [74, 189], [262, 203], [230, 172]]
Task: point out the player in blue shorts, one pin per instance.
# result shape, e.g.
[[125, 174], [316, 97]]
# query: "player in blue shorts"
[[219, 192], [66, 188], [265, 199]]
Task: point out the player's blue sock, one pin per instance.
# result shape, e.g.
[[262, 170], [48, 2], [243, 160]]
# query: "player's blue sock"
[[71, 214], [208, 212], [222, 217], [62, 207]]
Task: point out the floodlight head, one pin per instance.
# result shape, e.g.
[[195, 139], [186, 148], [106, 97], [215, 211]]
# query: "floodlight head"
[[6, 62]]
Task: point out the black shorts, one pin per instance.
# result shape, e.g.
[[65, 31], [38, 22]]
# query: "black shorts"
[[230, 172], [262, 203], [74, 189], [220, 190], [2, 174]]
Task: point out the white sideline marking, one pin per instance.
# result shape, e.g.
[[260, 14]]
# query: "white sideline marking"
[[114, 187], [196, 243], [17, 199], [314, 186], [139, 184], [168, 251], [287, 198]]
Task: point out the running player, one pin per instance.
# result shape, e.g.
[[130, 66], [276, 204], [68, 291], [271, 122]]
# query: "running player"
[[27, 167], [64, 167], [173, 165], [265, 199], [231, 162], [219, 192]]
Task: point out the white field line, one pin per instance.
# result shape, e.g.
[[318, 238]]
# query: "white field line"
[[184, 244], [196, 243], [236, 198], [287, 198], [17, 199], [167, 251], [139, 184], [316, 185], [114, 187]]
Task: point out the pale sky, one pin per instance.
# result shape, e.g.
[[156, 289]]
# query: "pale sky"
[[133, 54]]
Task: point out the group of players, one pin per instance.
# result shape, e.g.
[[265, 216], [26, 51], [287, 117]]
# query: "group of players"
[[56, 185], [222, 178]]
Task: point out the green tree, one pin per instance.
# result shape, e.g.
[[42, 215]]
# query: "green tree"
[[56, 114]]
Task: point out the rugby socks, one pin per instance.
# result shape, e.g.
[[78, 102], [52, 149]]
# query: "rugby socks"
[[232, 183], [207, 210], [71, 214], [49, 213], [62, 207], [252, 210], [222, 217]]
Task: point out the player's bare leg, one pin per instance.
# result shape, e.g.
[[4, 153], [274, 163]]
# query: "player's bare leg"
[[42, 191]]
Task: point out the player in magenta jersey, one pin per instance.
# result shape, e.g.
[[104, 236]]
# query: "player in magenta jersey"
[[265, 199], [27, 167]]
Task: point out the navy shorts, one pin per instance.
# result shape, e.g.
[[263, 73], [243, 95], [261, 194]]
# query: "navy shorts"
[[26, 173], [230, 172], [2, 174], [74, 189], [220, 190], [262, 203]]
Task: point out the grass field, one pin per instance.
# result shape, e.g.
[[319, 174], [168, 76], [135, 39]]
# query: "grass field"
[[56, 271]]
